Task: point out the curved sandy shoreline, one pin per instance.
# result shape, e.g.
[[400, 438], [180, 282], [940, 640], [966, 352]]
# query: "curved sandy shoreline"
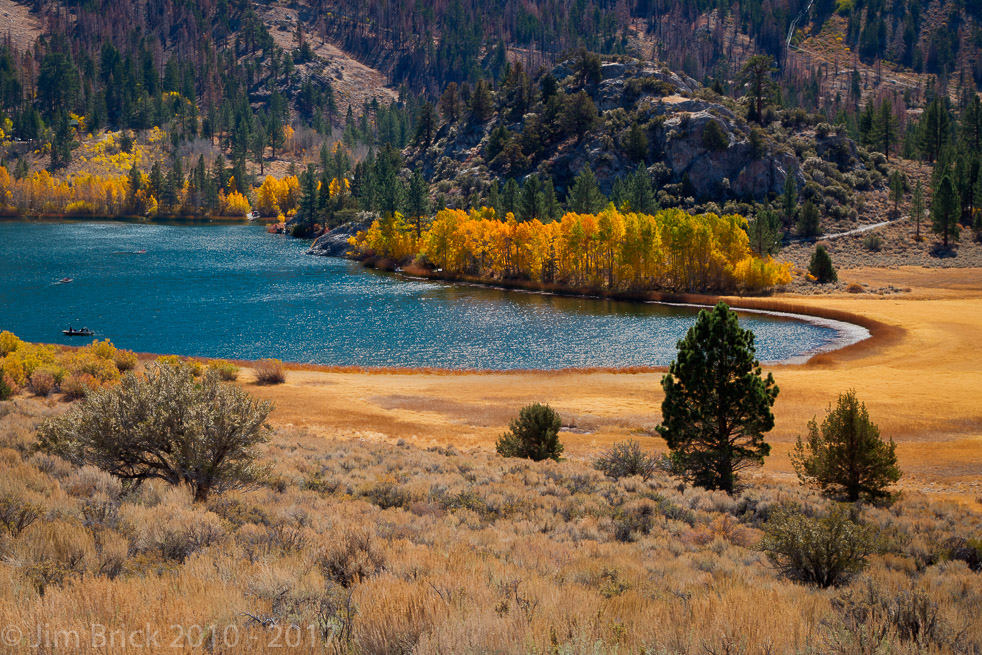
[[918, 373], [847, 334]]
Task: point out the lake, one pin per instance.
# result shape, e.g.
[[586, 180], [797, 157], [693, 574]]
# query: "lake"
[[234, 291]]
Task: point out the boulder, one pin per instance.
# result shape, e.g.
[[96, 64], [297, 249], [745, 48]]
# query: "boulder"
[[335, 242]]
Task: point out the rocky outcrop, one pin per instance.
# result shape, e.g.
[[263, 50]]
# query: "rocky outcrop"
[[674, 112], [733, 170], [335, 242]]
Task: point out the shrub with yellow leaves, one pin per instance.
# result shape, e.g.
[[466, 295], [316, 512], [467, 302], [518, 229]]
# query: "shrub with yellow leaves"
[[233, 204]]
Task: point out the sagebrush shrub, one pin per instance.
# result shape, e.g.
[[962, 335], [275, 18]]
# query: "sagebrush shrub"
[[270, 371], [16, 512], [625, 459], [166, 425], [634, 519], [352, 555], [825, 550], [873, 242]]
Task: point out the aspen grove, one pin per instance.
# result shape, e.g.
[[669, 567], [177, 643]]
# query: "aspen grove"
[[612, 250]]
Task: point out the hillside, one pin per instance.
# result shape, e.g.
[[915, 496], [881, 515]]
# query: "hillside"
[[477, 99], [695, 145]]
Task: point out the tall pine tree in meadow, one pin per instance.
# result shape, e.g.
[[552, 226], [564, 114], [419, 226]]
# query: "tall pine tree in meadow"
[[845, 455], [717, 404]]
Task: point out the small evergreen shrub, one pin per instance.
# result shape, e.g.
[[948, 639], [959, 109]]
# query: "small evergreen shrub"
[[714, 138], [533, 435], [821, 266]]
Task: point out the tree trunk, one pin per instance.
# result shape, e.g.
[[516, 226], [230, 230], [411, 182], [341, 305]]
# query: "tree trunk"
[[201, 491]]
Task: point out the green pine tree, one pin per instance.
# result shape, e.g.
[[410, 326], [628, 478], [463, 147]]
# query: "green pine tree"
[[530, 201], [418, 201], [897, 186], [756, 74], [551, 209], [509, 198], [585, 196], [917, 209], [764, 232], [821, 266], [946, 210], [307, 211], [640, 192], [789, 199], [846, 456], [717, 405], [886, 131], [810, 222]]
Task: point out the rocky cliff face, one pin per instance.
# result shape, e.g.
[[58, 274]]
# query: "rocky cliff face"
[[696, 145]]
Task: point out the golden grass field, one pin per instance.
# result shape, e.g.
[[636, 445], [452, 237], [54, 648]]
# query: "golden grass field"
[[922, 384]]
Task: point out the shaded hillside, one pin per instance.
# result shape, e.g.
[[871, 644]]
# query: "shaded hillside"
[[695, 145]]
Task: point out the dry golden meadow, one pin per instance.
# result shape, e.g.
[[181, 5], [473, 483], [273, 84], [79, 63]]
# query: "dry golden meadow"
[[389, 525]]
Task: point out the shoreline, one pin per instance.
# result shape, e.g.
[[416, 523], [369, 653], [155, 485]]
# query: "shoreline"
[[66, 218], [851, 330], [916, 374]]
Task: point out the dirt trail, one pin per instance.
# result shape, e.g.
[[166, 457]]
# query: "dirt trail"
[[847, 233]]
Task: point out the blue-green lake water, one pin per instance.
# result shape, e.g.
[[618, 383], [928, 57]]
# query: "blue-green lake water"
[[234, 291]]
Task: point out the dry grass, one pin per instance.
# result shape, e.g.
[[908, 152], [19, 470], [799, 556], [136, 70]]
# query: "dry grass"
[[917, 379], [898, 249], [394, 548]]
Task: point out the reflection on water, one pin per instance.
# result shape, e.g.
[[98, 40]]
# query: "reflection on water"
[[234, 291]]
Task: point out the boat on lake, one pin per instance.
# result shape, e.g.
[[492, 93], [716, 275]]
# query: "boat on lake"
[[65, 280], [82, 332]]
